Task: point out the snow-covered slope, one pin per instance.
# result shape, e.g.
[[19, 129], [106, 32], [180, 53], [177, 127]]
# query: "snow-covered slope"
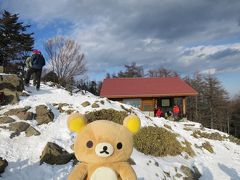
[[22, 153]]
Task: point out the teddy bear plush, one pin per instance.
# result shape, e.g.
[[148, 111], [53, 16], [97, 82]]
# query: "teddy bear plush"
[[103, 148]]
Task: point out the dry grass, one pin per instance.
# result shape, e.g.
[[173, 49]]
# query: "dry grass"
[[188, 148], [187, 129], [107, 114], [213, 136], [158, 141], [208, 147], [167, 126]]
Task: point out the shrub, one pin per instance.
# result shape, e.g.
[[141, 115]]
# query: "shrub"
[[107, 114], [214, 136], [157, 141], [51, 76]]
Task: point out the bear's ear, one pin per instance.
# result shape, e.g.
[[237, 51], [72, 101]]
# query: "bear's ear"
[[133, 123], [76, 122]]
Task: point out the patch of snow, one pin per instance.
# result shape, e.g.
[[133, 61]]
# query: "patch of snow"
[[23, 152]]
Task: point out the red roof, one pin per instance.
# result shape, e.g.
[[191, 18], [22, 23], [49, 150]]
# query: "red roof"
[[145, 87]]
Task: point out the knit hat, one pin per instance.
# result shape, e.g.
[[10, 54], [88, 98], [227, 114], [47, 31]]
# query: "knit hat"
[[35, 51]]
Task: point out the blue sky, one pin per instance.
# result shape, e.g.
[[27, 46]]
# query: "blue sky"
[[183, 35]]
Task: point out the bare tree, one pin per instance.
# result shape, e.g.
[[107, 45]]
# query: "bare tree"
[[132, 70], [66, 58], [162, 72], [210, 107]]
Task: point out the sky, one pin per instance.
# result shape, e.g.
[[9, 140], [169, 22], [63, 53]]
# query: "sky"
[[183, 35]]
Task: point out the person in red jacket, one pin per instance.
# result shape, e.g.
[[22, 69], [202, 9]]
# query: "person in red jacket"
[[159, 112], [176, 111]]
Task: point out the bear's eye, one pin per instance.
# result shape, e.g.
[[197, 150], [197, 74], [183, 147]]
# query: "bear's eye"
[[119, 145], [89, 144]]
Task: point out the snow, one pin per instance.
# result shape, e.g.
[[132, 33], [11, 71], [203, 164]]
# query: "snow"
[[4, 74], [23, 152]]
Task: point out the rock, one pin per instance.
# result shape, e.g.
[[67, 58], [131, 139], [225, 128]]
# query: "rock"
[[31, 131], [41, 110], [62, 110], [69, 111], [131, 161], [10, 85], [3, 165], [24, 94], [191, 175], [6, 119], [11, 81], [25, 115], [21, 113], [85, 104], [45, 119], [17, 127], [95, 105], [3, 127], [55, 104], [75, 162], [16, 111], [60, 107], [54, 154], [43, 115], [72, 147], [10, 96]]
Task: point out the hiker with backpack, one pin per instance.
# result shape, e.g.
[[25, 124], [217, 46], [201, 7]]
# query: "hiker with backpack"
[[28, 65], [36, 63]]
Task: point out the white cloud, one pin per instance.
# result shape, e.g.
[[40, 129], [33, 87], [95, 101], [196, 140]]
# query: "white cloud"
[[152, 33], [209, 71]]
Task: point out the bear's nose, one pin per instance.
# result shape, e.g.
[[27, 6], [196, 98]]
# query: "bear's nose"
[[104, 149]]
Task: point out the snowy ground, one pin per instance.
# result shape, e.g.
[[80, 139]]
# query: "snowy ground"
[[23, 152]]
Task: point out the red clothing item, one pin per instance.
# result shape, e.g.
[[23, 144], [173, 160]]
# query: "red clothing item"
[[159, 112], [176, 109]]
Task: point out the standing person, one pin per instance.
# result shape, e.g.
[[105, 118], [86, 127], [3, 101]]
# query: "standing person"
[[159, 112], [37, 61], [28, 64], [176, 111]]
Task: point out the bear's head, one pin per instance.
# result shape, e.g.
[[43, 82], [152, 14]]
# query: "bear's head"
[[103, 141]]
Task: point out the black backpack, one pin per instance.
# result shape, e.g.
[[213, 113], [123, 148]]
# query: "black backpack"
[[38, 61]]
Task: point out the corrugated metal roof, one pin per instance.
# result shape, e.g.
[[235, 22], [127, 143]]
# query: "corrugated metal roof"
[[145, 87]]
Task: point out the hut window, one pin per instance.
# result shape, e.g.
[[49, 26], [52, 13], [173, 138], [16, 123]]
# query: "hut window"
[[133, 102], [165, 102]]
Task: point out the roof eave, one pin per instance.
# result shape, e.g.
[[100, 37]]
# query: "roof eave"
[[150, 95]]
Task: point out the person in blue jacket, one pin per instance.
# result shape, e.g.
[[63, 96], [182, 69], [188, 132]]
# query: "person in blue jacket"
[[37, 62]]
